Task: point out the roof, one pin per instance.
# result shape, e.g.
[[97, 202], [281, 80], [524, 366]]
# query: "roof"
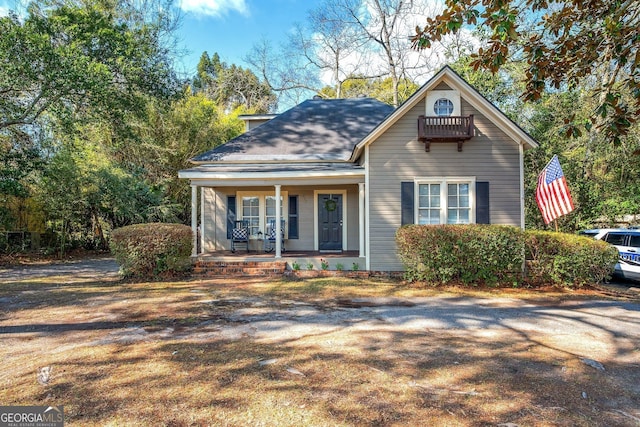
[[315, 130], [468, 92]]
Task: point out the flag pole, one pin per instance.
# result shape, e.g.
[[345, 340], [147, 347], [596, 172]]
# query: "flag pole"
[[555, 221]]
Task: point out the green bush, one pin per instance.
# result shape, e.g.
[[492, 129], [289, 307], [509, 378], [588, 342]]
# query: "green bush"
[[494, 255], [149, 250], [567, 259], [469, 254]]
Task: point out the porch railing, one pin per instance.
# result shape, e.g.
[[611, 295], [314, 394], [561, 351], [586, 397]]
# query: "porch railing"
[[445, 129]]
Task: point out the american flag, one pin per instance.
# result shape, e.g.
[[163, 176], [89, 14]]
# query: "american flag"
[[552, 194]]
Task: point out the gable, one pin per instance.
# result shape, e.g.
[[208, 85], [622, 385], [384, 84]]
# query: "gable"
[[448, 80]]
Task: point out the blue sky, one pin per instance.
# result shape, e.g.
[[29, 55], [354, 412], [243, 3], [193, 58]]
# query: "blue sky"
[[229, 27], [232, 27]]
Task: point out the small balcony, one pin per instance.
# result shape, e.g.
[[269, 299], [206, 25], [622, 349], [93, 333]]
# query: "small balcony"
[[445, 129]]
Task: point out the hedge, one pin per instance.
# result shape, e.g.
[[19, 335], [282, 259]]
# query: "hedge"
[[150, 250], [495, 255], [567, 259]]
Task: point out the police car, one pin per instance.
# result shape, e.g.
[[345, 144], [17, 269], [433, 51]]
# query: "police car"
[[627, 242]]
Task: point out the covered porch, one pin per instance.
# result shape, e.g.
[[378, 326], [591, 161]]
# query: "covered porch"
[[319, 208]]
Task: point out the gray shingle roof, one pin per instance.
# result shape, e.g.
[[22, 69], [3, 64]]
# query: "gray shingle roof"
[[317, 129]]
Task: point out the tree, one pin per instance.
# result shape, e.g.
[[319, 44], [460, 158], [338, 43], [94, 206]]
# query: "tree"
[[347, 39], [66, 60], [232, 86], [169, 135], [380, 89], [332, 46], [569, 42]]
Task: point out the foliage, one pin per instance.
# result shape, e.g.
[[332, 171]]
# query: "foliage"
[[78, 59], [569, 42], [467, 253], [82, 192], [380, 89], [604, 179], [494, 255], [231, 86], [148, 250], [172, 134], [566, 259], [346, 38]]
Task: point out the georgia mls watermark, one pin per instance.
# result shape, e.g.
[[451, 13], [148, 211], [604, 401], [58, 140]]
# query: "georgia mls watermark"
[[31, 416]]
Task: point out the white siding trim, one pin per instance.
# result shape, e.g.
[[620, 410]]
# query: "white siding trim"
[[367, 198], [316, 244], [521, 155]]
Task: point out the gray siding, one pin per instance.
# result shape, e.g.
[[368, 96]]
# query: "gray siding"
[[215, 216], [398, 156]]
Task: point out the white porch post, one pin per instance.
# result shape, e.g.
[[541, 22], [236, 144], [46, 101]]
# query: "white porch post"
[[202, 219], [278, 223], [361, 218], [194, 219]]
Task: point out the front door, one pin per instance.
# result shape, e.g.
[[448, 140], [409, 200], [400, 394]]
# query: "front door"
[[330, 222]]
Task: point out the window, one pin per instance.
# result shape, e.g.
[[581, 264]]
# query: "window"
[[443, 107], [616, 239], [429, 204], [445, 201], [458, 206], [251, 213], [258, 208]]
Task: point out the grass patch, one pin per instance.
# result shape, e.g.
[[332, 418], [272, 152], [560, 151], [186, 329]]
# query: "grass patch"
[[163, 353]]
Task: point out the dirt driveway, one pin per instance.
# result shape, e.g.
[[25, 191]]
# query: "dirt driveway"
[[469, 360]]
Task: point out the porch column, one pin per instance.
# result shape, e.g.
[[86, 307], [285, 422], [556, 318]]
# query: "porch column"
[[361, 218], [194, 219], [202, 219], [278, 224]]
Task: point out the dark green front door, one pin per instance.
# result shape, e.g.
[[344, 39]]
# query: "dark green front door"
[[330, 222]]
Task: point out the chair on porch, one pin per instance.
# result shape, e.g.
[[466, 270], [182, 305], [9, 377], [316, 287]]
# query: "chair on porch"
[[240, 234], [270, 236]]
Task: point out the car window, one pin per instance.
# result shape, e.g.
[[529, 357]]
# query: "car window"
[[635, 241], [615, 238]]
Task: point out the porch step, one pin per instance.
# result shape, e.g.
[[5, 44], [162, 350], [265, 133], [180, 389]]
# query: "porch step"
[[239, 268]]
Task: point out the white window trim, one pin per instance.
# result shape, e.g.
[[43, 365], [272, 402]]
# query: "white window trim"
[[262, 203], [316, 238], [451, 95], [443, 181]]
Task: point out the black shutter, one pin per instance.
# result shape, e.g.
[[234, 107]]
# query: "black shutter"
[[231, 214], [406, 202], [482, 203], [293, 217]]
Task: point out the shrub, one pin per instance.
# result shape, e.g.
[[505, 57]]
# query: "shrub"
[[567, 259], [494, 255], [147, 250], [461, 253]]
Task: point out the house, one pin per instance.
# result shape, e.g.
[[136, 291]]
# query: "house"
[[345, 174]]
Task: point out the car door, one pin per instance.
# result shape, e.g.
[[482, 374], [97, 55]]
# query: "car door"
[[630, 249]]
